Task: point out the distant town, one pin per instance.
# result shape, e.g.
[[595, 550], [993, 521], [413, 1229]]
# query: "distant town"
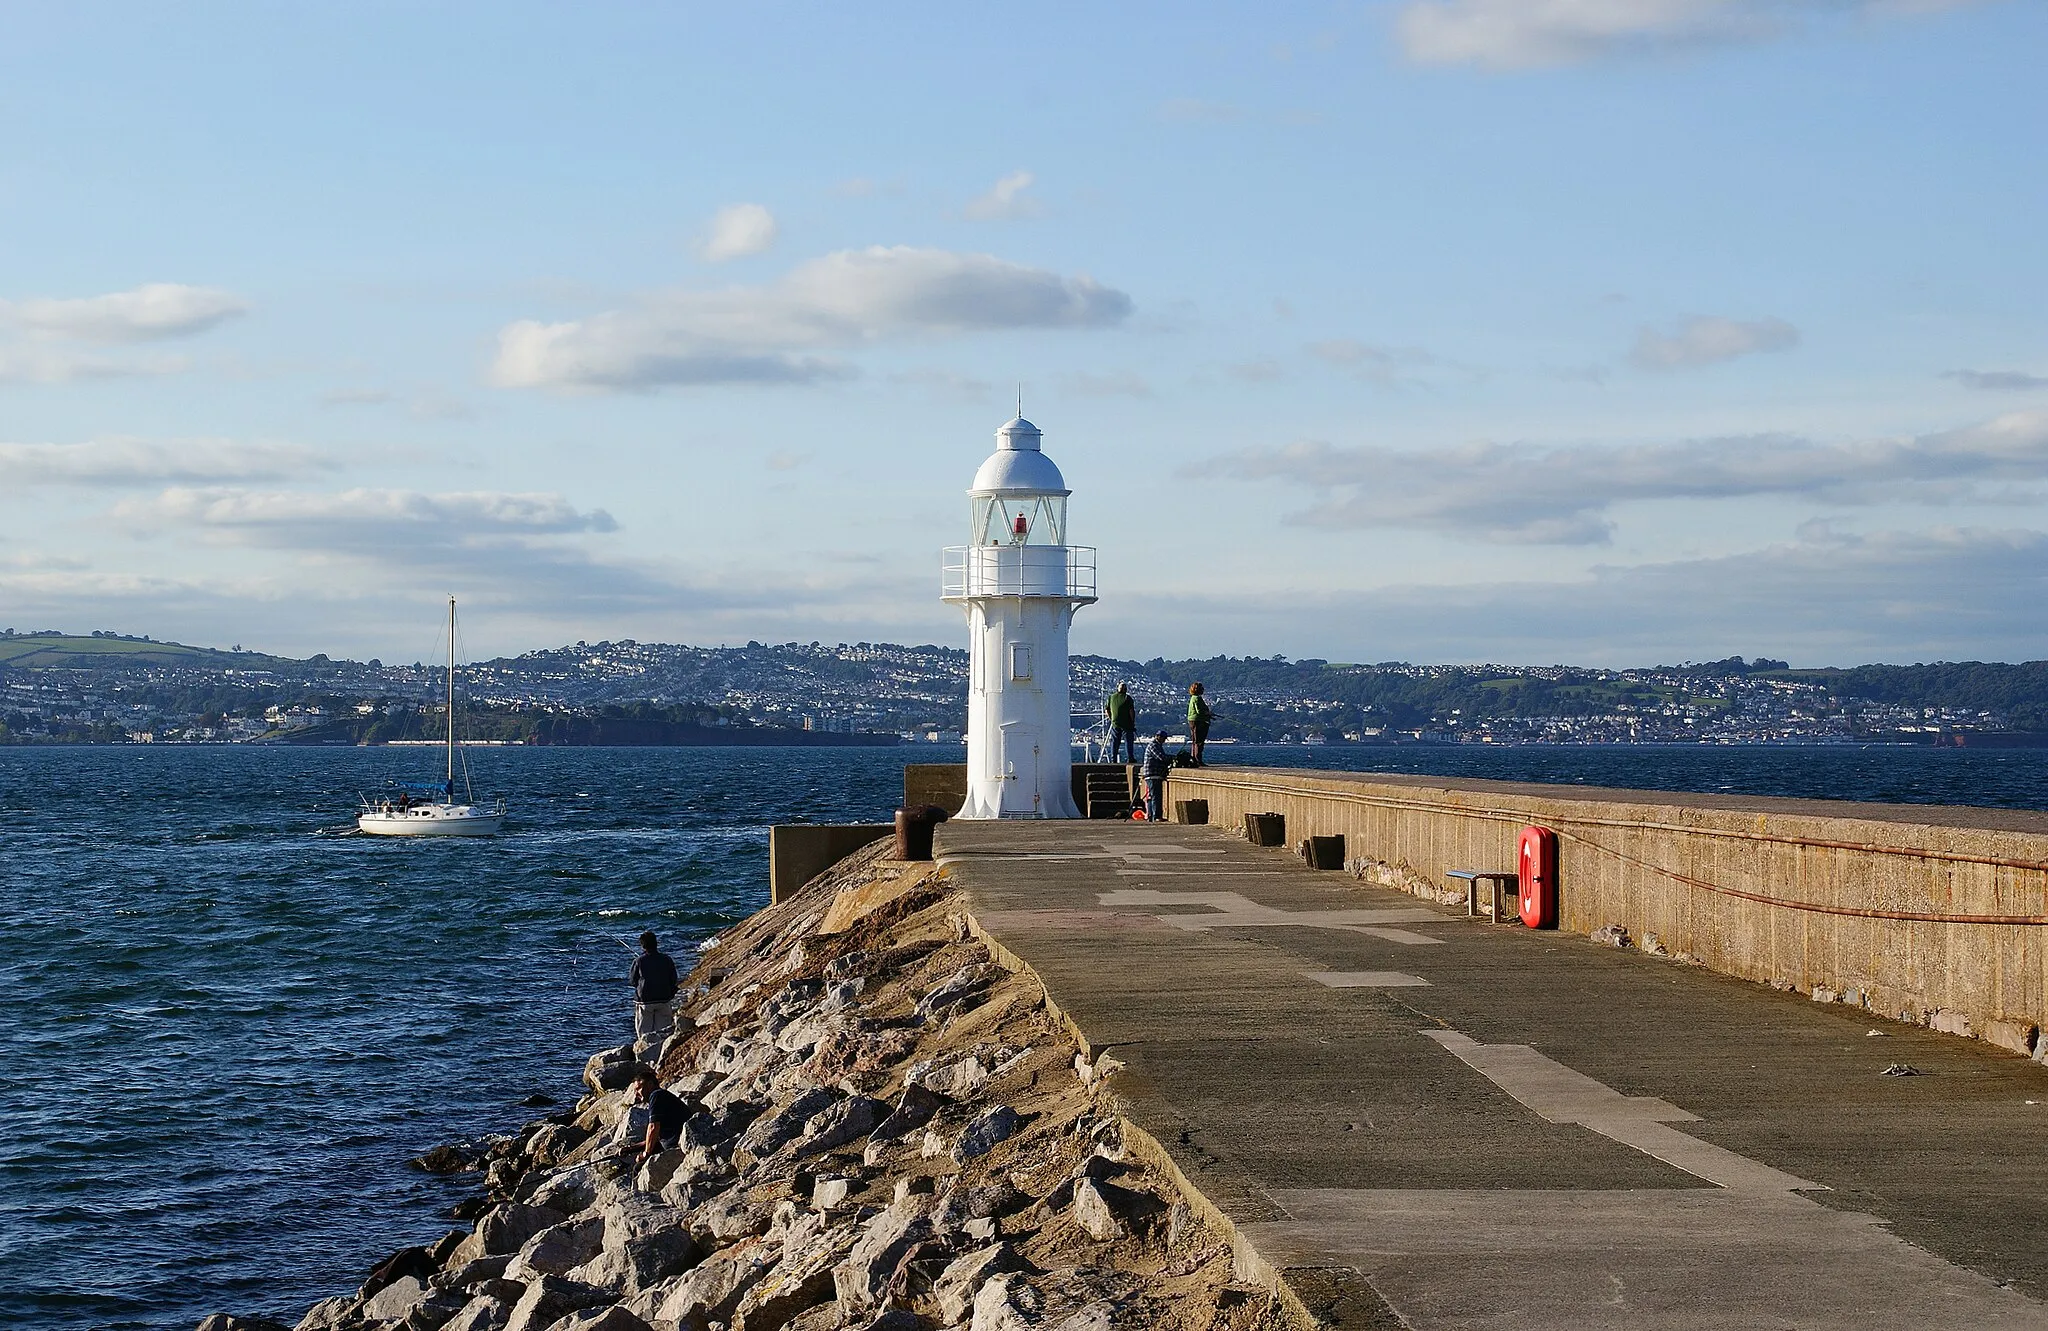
[[112, 688]]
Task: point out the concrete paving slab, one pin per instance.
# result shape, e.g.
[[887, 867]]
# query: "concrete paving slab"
[[1541, 1132]]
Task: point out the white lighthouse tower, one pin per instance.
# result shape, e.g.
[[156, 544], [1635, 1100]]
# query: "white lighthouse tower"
[[1020, 583]]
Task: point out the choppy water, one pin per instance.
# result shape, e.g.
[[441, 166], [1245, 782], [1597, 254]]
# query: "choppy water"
[[226, 1023]]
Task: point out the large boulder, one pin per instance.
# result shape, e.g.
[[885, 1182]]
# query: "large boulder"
[[548, 1299], [772, 1132], [507, 1228], [558, 1249], [957, 1285], [485, 1312], [610, 1069], [912, 1112], [847, 1121], [859, 1280], [985, 1133], [395, 1300], [225, 1322], [601, 1319]]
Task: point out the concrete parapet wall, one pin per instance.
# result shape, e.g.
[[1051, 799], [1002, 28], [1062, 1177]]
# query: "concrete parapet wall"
[[1930, 914], [799, 852]]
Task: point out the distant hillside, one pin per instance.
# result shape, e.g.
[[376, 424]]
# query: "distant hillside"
[[66, 651]]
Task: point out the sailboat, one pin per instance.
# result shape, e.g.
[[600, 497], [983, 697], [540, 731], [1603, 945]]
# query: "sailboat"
[[431, 811]]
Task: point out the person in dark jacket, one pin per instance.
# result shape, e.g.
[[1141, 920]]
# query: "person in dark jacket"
[[654, 992], [1122, 710], [1157, 765], [665, 1113]]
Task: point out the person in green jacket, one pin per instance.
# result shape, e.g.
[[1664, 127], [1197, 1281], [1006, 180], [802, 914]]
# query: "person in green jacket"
[[1122, 710], [1198, 721]]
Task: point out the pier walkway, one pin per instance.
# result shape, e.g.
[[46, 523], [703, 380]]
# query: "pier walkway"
[[1417, 1119]]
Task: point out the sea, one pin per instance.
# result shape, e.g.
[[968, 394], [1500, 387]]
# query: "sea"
[[229, 1021]]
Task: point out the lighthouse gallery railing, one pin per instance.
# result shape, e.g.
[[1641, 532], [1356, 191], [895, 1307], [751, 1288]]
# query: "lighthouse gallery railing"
[[1019, 570]]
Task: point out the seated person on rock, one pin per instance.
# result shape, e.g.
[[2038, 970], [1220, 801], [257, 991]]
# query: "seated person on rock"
[[665, 1113]]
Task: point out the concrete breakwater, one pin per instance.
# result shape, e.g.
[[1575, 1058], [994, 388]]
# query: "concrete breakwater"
[[888, 1128], [1932, 915]]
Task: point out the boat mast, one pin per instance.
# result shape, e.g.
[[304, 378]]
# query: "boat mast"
[[451, 701]]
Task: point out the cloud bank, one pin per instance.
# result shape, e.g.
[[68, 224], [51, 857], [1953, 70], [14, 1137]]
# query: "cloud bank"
[[1824, 598], [1532, 494], [763, 334], [119, 462]]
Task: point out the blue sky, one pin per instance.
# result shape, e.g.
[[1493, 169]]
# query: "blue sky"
[[1601, 331]]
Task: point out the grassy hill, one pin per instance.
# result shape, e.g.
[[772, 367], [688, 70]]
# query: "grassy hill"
[[61, 651]]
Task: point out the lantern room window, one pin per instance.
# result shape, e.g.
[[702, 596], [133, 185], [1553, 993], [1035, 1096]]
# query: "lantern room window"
[[1020, 520]]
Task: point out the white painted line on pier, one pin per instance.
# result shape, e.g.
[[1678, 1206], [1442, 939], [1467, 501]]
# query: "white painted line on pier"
[[1366, 979], [1560, 1095]]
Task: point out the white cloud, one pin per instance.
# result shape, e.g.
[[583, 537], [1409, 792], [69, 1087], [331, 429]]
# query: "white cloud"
[[1005, 201], [1563, 495], [738, 231], [1824, 598], [39, 364], [2006, 381], [357, 517], [117, 462], [1707, 340], [847, 299], [1521, 34], [148, 313]]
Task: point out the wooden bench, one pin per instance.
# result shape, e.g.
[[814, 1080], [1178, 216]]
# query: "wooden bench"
[[1501, 914]]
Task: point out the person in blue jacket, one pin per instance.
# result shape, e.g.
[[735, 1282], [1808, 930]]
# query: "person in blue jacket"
[[1157, 765]]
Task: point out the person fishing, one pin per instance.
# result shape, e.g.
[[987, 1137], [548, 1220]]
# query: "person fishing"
[[1122, 711], [665, 1113], [1157, 765], [654, 992], [1199, 715]]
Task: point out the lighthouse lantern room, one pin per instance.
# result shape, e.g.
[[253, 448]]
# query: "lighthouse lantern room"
[[1019, 583]]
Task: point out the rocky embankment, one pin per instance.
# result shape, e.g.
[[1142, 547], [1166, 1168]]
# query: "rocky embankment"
[[888, 1130]]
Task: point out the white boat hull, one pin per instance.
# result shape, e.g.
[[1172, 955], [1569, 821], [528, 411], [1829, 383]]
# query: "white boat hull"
[[432, 820]]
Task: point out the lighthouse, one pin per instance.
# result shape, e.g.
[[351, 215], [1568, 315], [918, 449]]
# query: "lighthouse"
[[1019, 583]]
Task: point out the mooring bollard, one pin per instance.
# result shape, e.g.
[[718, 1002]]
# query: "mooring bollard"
[[914, 831]]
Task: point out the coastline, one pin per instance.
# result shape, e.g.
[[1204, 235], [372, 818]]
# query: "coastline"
[[890, 1128]]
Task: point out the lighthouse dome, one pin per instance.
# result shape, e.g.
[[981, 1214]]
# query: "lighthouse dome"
[[1019, 466]]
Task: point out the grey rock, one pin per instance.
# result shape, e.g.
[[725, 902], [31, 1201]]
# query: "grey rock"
[[859, 1280], [712, 1288], [548, 1299], [1005, 1303], [485, 1312], [445, 1160], [733, 1216], [395, 1300], [772, 1132], [601, 1319], [612, 1065], [225, 1322], [567, 1190], [985, 1133], [558, 1249], [961, 1079], [1106, 1211], [963, 1278], [507, 1228], [848, 1120], [327, 1313], [958, 989], [912, 1112]]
